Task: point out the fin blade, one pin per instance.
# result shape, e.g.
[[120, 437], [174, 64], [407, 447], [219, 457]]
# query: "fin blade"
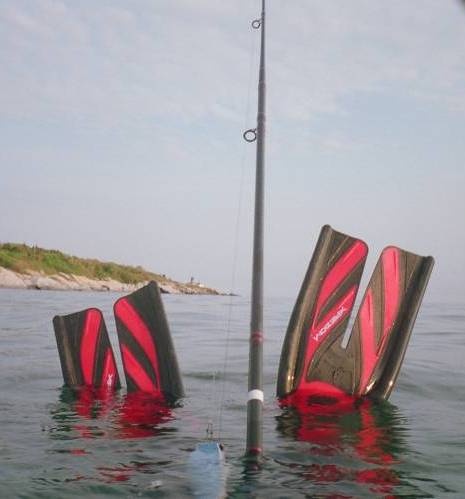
[[322, 310], [147, 350], [386, 317], [86, 356]]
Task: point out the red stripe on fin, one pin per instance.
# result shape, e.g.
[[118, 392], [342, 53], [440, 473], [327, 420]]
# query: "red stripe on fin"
[[137, 373], [89, 342]]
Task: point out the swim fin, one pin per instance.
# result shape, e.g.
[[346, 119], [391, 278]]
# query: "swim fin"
[[386, 317], [323, 307], [147, 351], [370, 363], [85, 351]]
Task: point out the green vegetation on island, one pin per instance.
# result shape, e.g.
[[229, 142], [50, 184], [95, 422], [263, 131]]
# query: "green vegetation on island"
[[22, 258]]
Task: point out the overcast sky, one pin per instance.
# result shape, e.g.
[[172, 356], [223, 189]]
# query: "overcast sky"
[[121, 132]]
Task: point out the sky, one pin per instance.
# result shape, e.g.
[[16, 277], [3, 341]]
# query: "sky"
[[121, 133]]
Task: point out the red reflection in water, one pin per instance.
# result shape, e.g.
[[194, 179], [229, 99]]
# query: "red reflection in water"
[[319, 416], [91, 403], [320, 420], [136, 415], [141, 414], [116, 474]]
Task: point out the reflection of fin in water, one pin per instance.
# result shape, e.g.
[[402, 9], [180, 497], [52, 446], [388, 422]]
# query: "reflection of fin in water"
[[82, 413], [86, 355], [102, 413], [141, 414], [147, 351], [313, 360], [363, 429]]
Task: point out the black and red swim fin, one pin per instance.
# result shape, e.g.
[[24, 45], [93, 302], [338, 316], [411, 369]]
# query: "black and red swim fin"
[[386, 317], [85, 351], [147, 350], [313, 360], [322, 309]]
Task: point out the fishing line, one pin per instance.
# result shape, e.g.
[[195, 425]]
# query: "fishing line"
[[252, 58], [214, 403]]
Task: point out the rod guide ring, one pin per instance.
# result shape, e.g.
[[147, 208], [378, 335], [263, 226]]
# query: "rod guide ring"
[[250, 135]]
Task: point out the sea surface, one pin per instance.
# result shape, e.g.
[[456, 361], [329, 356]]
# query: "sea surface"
[[55, 445]]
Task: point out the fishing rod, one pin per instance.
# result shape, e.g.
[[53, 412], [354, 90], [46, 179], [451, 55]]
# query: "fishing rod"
[[255, 397]]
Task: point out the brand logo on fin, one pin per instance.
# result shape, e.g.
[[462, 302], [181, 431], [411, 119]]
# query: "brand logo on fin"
[[326, 327], [110, 380]]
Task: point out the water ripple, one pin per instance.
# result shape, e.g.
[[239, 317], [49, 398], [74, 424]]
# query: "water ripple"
[[56, 444]]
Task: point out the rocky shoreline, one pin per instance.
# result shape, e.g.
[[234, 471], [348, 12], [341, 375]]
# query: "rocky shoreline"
[[70, 282]]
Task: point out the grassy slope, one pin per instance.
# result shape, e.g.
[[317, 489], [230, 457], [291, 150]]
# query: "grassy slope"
[[22, 258]]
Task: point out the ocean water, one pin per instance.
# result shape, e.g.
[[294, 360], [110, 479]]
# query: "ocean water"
[[54, 445]]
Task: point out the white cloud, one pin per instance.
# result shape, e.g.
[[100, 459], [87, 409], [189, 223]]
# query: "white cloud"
[[188, 60], [331, 49]]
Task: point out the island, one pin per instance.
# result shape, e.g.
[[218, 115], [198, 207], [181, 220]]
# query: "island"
[[31, 267]]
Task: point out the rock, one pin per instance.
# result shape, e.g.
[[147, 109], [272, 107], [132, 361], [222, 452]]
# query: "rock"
[[44, 282], [10, 279], [169, 289], [70, 282]]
